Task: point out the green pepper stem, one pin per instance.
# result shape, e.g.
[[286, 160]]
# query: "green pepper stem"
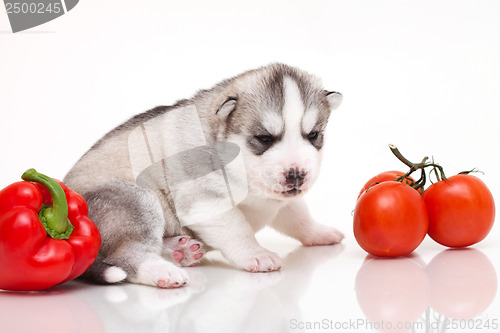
[[54, 218]]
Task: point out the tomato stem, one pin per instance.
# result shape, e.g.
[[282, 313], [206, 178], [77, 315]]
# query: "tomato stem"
[[400, 157], [475, 170], [416, 166]]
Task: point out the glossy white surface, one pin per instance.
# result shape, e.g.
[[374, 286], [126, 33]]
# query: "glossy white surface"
[[320, 289]]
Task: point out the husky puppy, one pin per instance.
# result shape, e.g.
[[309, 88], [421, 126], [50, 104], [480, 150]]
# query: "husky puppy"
[[207, 173]]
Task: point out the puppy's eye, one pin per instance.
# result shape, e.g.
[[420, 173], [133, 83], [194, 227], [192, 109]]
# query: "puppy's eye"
[[266, 139], [312, 136]]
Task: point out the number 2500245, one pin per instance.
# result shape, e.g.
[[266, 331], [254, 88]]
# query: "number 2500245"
[[33, 8]]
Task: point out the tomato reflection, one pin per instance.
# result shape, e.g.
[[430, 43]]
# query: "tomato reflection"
[[463, 283], [394, 291]]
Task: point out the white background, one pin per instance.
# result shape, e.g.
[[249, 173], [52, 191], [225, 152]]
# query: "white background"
[[424, 75]]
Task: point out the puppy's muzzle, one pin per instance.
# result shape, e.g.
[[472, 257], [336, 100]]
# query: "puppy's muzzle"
[[295, 177]]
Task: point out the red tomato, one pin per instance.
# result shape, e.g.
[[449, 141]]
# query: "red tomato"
[[461, 210], [385, 177], [390, 220]]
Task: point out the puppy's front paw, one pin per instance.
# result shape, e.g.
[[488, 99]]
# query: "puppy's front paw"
[[260, 261], [322, 235]]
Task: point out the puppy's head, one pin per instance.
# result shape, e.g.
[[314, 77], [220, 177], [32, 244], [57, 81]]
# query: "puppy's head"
[[277, 115]]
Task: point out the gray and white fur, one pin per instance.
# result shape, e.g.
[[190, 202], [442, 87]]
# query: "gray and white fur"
[[276, 115]]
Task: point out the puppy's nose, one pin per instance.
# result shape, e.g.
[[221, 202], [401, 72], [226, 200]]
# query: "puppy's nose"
[[295, 177]]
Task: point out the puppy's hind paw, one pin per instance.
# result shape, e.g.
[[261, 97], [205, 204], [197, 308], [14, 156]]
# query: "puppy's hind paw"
[[160, 273], [184, 250]]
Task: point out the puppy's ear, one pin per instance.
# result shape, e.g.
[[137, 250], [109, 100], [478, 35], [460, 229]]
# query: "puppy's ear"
[[227, 107], [334, 99]]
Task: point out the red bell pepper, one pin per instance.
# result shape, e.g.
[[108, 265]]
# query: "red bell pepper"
[[46, 237]]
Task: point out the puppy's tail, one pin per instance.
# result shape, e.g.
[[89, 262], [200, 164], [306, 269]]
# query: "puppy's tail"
[[103, 273]]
